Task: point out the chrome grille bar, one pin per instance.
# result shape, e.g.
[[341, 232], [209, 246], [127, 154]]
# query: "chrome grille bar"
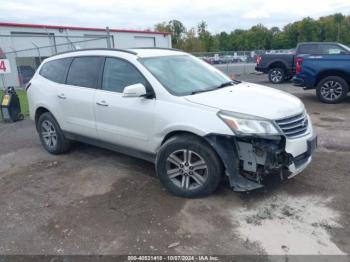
[[294, 126]]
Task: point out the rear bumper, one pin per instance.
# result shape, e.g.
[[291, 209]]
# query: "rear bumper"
[[298, 81], [260, 69]]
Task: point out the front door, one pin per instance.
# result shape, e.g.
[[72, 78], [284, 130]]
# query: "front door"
[[125, 121]]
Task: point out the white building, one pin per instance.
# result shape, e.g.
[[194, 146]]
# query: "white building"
[[26, 45]]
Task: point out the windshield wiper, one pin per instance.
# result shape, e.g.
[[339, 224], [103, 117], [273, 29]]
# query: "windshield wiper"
[[225, 84], [229, 83], [201, 91]]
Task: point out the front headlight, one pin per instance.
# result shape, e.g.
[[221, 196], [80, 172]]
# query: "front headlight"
[[247, 124]]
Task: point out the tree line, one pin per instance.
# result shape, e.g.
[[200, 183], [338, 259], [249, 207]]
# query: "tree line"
[[332, 28]]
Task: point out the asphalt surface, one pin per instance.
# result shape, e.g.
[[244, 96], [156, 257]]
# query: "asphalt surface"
[[94, 201]]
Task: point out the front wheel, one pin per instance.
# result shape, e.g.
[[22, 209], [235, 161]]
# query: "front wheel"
[[332, 90], [276, 75], [188, 167]]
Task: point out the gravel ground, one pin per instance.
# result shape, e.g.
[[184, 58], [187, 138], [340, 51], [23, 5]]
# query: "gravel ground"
[[94, 201]]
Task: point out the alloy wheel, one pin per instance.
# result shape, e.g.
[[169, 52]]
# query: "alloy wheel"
[[331, 90], [276, 76], [48, 133], [187, 169]]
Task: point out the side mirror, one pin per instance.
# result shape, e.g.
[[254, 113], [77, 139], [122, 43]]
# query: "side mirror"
[[136, 90]]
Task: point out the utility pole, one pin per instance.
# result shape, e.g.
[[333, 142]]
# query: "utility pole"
[[38, 50], [109, 45]]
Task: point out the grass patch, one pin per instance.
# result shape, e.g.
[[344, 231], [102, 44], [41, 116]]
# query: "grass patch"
[[22, 95]]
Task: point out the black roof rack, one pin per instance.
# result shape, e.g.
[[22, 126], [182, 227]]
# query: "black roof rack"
[[99, 49]]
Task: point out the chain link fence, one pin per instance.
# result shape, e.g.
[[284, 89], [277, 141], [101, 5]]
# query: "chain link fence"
[[26, 52], [236, 63]]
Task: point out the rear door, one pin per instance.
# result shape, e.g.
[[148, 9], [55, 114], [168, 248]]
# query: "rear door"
[[126, 121], [76, 97]]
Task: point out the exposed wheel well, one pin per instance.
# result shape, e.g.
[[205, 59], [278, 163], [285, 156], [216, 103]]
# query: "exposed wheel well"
[[39, 111], [324, 74], [178, 133], [277, 64], [190, 134]]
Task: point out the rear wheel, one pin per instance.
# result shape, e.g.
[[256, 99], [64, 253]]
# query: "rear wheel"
[[276, 75], [332, 90], [51, 135], [188, 167]]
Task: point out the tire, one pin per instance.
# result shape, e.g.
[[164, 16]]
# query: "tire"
[[332, 90], [199, 178], [51, 135], [276, 75]]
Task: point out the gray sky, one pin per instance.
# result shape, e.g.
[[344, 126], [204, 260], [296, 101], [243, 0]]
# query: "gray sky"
[[221, 15]]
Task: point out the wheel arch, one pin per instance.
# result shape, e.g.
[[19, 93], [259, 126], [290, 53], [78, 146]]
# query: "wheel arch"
[[328, 73], [174, 133], [277, 64], [38, 112], [203, 138]]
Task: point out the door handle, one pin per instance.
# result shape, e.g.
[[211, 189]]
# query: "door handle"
[[61, 96], [102, 103]]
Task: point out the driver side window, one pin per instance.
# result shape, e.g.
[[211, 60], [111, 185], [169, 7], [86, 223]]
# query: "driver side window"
[[118, 74]]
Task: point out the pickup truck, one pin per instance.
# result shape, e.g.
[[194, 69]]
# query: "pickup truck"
[[328, 74], [281, 67]]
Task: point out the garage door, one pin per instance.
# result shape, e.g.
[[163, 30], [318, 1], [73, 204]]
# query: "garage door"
[[143, 41]]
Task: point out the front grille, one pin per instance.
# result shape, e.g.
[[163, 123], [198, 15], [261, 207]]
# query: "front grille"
[[294, 126]]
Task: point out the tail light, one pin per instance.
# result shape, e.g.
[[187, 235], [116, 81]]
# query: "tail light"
[[298, 64], [258, 59]]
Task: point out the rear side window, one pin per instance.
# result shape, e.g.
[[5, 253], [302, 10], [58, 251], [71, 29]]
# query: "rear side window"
[[308, 49], [56, 70], [118, 74], [84, 71]]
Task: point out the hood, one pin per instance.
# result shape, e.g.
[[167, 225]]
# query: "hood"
[[251, 99]]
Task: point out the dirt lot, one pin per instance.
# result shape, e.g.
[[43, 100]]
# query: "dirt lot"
[[94, 201]]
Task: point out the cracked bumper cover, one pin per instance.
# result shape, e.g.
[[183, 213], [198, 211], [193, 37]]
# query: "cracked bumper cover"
[[288, 158]]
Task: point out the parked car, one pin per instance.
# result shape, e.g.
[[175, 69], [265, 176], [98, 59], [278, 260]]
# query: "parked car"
[[175, 110], [328, 74], [281, 67]]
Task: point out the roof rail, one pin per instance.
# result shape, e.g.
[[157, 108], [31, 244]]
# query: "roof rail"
[[160, 48], [99, 49]]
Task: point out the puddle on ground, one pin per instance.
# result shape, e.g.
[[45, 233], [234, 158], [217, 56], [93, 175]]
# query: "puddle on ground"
[[290, 225]]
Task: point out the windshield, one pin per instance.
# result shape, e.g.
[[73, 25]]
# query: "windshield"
[[345, 47], [184, 74]]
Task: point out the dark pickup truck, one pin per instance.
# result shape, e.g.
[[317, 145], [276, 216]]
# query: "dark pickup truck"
[[281, 67], [328, 74]]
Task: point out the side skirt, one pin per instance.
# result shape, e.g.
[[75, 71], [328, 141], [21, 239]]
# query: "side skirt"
[[120, 149]]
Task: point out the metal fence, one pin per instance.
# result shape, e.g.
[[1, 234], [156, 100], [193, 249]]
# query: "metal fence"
[[236, 63], [26, 52]]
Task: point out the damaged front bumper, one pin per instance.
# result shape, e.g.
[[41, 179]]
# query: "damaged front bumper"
[[248, 160]]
